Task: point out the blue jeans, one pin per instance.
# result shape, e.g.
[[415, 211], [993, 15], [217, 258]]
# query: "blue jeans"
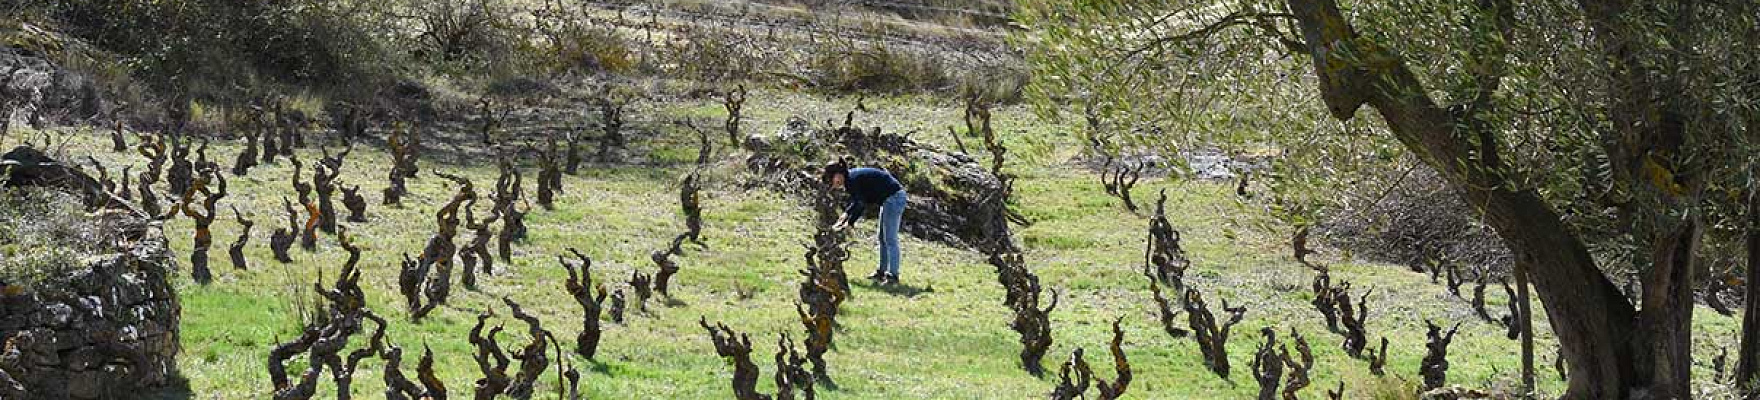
[[891, 215]]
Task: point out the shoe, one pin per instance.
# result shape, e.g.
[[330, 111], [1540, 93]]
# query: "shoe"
[[877, 276], [889, 280]]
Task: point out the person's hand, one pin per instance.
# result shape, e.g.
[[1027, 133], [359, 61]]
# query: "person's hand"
[[839, 227]]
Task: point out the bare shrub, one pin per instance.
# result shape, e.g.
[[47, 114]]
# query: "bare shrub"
[[452, 31], [874, 68], [575, 42]]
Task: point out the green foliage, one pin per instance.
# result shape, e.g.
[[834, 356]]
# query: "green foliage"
[[593, 49], [1176, 75], [952, 342], [213, 48]]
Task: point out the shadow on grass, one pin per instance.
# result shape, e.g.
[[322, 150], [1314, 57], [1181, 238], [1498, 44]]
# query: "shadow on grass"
[[899, 289], [177, 389], [600, 367]]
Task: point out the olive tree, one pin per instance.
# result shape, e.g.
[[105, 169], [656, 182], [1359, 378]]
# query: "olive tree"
[[1589, 135]]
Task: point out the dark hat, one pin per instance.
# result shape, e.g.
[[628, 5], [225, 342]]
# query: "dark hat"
[[834, 168]]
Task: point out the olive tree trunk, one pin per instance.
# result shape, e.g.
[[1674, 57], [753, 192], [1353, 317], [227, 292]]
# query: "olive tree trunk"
[[1746, 358], [1613, 350]]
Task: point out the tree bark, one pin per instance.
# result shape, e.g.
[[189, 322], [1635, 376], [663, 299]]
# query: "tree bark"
[[1527, 320], [1749, 355], [1612, 353]]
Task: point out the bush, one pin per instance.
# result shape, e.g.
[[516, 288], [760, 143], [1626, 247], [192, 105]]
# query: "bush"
[[1417, 223], [45, 235], [228, 51], [715, 55], [469, 31], [594, 49], [845, 67]]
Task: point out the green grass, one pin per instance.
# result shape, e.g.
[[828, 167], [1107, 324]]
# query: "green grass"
[[951, 342]]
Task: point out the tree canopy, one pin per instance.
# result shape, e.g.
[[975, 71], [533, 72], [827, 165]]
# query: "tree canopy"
[[1590, 135]]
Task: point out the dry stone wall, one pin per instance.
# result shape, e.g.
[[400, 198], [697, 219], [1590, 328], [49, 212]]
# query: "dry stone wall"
[[105, 331]]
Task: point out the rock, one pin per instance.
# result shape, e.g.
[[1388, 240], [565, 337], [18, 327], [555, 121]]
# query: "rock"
[[1457, 392], [53, 94], [86, 385], [108, 329]]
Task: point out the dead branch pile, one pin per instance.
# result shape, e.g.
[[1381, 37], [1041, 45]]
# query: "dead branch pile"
[[954, 199]]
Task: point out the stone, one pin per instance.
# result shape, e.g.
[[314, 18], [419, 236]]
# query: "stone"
[[110, 328]]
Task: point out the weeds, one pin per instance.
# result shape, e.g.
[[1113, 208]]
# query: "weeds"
[[44, 236]]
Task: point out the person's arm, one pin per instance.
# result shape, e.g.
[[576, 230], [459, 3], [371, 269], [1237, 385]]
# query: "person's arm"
[[852, 213]]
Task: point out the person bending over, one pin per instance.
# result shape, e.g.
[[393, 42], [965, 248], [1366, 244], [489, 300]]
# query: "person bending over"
[[871, 186]]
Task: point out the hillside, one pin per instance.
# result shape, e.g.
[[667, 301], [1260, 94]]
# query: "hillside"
[[945, 335], [906, 67]]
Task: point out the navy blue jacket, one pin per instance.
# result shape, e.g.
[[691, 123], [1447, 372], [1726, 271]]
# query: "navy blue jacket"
[[867, 186]]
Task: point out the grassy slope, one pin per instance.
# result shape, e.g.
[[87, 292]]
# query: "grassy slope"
[[953, 342]]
